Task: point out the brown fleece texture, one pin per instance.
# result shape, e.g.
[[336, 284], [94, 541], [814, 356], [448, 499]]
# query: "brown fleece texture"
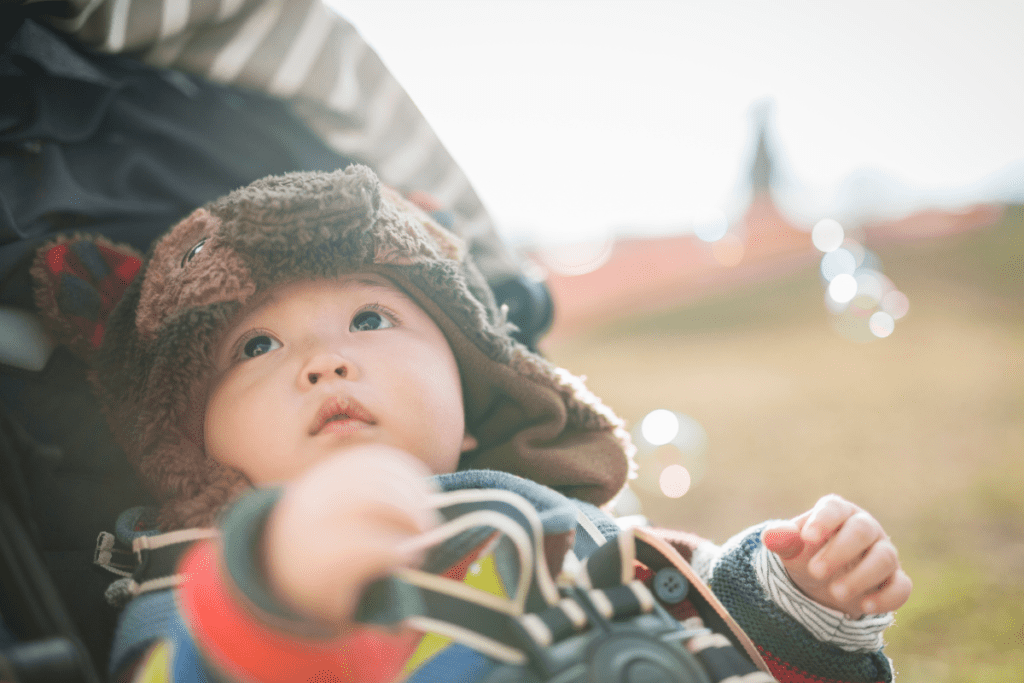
[[152, 371]]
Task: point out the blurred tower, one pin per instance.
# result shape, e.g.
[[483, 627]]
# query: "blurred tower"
[[766, 232], [762, 169]]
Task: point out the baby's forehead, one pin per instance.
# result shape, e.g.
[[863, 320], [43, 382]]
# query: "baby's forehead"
[[369, 283], [357, 288]]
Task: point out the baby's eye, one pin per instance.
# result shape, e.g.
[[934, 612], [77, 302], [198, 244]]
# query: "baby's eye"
[[259, 345], [365, 321]]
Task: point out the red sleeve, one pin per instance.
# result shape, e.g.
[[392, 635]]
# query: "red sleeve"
[[246, 648]]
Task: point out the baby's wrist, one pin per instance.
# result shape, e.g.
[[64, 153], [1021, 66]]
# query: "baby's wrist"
[[824, 622]]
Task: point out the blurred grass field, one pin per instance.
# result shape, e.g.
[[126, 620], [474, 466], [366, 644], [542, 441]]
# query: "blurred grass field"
[[925, 429]]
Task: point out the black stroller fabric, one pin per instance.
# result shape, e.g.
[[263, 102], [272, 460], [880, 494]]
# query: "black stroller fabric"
[[104, 144], [98, 144]]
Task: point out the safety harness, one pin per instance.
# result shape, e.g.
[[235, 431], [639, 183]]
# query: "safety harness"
[[633, 611]]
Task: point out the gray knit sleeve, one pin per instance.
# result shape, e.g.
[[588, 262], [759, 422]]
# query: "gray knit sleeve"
[[786, 625]]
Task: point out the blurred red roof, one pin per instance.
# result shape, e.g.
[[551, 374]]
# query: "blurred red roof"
[[648, 274]]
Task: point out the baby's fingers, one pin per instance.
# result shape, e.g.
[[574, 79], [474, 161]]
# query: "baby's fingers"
[[891, 596], [856, 536], [876, 568], [827, 515]]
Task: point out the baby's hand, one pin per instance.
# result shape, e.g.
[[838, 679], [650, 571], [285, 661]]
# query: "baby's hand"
[[840, 556], [345, 522]]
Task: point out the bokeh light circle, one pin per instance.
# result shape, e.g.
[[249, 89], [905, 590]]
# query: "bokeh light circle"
[[863, 301], [838, 262], [896, 304], [857, 250], [827, 235], [674, 481], [668, 440], [842, 288], [710, 226], [870, 284], [660, 427], [881, 324]]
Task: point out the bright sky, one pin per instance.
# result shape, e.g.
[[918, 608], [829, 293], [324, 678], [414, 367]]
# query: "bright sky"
[[574, 118]]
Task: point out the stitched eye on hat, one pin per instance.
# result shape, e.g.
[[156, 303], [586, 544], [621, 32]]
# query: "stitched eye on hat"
[[192, 252]]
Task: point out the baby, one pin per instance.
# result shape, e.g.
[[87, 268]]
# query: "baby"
[[318, 346]]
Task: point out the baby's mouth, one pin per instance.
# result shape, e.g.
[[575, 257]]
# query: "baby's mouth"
[[338, 414]]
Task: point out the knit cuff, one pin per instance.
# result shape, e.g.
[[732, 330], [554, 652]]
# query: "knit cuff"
[[703, 559], [824, 623], [242, 532], [243, 646]]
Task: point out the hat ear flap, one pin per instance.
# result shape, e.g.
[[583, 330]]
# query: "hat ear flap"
[[77, 281], [194, 487]]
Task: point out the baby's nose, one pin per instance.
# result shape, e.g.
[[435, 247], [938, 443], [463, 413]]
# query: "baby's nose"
[[314, 377], [325, 366]]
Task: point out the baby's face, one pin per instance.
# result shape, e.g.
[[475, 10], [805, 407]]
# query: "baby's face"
[[315, 367]]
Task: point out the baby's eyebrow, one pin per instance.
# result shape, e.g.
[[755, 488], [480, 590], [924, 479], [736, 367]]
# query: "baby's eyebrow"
[[375, 283], [368, 281]]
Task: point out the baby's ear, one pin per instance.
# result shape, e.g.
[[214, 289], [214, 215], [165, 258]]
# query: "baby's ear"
[[78, 280], [469, 443]]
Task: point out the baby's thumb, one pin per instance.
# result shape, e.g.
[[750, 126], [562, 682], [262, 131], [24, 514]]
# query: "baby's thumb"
[[783, 539]]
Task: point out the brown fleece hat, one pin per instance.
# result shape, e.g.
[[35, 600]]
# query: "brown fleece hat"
[[155, 362]]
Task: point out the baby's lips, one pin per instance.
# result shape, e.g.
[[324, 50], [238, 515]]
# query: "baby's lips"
[[334, 407]]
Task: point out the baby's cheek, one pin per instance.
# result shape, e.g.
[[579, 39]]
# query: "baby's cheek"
[[223, 437]]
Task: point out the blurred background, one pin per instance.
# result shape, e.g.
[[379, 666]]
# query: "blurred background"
[[785, 241]]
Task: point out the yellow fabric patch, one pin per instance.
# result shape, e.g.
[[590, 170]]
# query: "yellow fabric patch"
[[156, 667], [430, 645], [483, 575]]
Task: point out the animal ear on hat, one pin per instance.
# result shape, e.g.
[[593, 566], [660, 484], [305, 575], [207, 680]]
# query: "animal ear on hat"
[[77, 281]]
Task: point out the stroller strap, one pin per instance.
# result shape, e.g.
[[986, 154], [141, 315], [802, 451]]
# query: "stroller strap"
[[151, 565], [599, 624]]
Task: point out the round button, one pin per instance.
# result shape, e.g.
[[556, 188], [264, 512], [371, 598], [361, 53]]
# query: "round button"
[[670, 585]]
